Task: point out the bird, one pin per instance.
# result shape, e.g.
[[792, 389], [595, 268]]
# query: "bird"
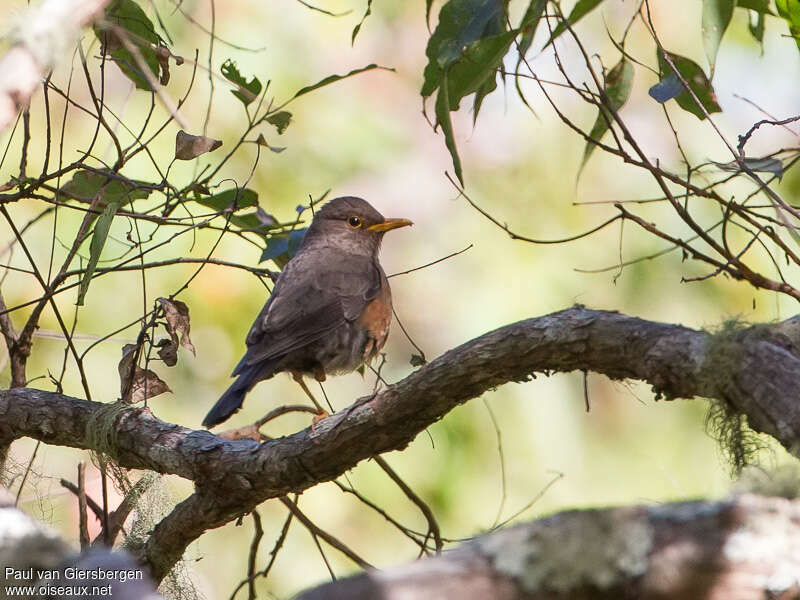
[[330, 308]]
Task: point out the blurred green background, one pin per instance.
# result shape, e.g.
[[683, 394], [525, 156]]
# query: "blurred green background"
[[367, 136]]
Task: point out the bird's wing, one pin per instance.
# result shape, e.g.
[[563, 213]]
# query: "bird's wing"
[[308, 302]]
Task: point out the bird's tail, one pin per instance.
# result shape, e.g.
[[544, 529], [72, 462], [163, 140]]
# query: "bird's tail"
[[231, 400]]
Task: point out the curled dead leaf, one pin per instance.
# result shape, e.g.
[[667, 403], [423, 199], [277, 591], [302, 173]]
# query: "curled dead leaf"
[[137, 384], [178, 325], [189, 146]]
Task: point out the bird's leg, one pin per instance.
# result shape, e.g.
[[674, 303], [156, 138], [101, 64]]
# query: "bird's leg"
[[298, 377]]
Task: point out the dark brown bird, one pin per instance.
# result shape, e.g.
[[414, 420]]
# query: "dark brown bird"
[[330, 309]]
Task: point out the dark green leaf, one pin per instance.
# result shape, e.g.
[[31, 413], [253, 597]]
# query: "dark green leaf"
[[478, 65], [789, 10], [716, 17], [242, 197], [247, 90], [693, 74], [357, 28], [530, 21], [461, 22], [85, 185], [760, 6], [428, 5], [334, 78], [280, 120], [443, 119], [756, 27], [618, 86], [140, 32], [580, 10]]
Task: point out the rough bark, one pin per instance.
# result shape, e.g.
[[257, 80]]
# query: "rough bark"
[[746, 548], [756, 370]]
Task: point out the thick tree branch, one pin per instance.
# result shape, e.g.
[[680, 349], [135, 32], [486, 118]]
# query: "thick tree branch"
[[746, 548], [755, 369]]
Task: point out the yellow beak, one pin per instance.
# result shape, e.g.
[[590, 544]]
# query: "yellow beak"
[[389, 224]]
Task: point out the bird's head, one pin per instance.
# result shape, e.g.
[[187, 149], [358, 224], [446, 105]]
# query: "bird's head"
[[351, 224]]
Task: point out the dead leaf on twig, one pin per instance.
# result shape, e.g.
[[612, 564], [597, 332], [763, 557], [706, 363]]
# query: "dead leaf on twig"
[[178, 325], [189, 146], [137, 384]]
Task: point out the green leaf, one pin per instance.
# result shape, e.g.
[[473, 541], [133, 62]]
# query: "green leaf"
[[756, 28], [789, 11], [580, 10], [357, 28], [693, 74], [478, 65], [85, 185], [280, 120], [115, 194], [242, 197], [141, 33], [247, 90], [443, 119], [428, 5], [617, 87], [530, 21], [334, 78], [461, 22], [716, 17], [760, 6]]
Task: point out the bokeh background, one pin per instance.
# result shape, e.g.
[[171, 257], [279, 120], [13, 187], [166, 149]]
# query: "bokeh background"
[[367, 136]]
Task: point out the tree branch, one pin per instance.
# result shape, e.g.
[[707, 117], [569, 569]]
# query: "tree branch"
[[744, 548], [756, 370]]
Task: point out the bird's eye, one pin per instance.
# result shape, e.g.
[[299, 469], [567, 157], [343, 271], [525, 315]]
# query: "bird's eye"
[[354, 222]]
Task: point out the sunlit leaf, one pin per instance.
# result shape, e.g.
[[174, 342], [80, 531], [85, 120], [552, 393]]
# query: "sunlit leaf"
[[694, 76], [189, 146], [333, 78], [789, 10], [246, 91], [580, 10], [618, 84], [716, 17]]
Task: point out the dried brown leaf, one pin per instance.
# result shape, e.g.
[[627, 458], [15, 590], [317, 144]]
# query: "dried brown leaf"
[[177, 315], [189, 146], [168, 352], [137, 384]]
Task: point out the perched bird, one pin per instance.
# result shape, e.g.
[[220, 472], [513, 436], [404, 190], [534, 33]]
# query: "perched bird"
[[330, 309]]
